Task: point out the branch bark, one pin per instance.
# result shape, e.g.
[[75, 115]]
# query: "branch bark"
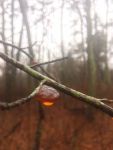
[[95, 102]]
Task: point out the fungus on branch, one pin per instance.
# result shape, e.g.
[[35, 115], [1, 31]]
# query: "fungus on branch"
[[47, 95], [5, 105], [95, 102]]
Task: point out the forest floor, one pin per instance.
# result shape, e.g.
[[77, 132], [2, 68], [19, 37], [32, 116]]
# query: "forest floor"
[[67, 125]]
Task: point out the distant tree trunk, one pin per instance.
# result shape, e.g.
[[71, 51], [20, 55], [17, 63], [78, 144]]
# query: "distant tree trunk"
[[23, 7], [90, 52], [62, 74], [82, 38], [95, 17], [61, 28], [20, 42], [92, 76], [82, 32], [12, 69], [107, 71], [8, 67], [12, 26], [3, 27]]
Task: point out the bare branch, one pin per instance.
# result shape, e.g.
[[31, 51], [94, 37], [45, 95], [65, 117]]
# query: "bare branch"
[[48, 74], [106, 100], [45, 63], [21, 49], [14, 46], [11, 131], [48, 62], [31, 45], [18, 102], [95, 102]]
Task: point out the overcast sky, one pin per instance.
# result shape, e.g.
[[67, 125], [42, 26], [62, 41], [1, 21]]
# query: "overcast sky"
[[52, 25]]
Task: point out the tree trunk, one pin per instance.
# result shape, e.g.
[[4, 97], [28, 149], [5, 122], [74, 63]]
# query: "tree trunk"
[[92, 76]]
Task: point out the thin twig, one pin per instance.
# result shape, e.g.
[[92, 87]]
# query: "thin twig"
[[31, 45], [14, 46], [45, 63], [106, 100], [12, 130], [21, 49], [48, 62], [18, 102], [48, 74]]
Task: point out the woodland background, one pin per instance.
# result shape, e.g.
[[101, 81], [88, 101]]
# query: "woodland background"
[[47, 30]]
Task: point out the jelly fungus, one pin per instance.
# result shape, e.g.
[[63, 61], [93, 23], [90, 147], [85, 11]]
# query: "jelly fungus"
[[47, 95]]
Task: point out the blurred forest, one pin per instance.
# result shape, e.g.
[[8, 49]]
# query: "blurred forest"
[[80, 32]]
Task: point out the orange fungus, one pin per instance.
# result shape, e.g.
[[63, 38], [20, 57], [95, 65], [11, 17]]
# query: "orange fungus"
[[47, 95]]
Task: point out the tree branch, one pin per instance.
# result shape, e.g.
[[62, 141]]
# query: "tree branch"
[[95, 102], [48, 62], [18, 102], [106, 100], [21, 49], [14, 46]]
